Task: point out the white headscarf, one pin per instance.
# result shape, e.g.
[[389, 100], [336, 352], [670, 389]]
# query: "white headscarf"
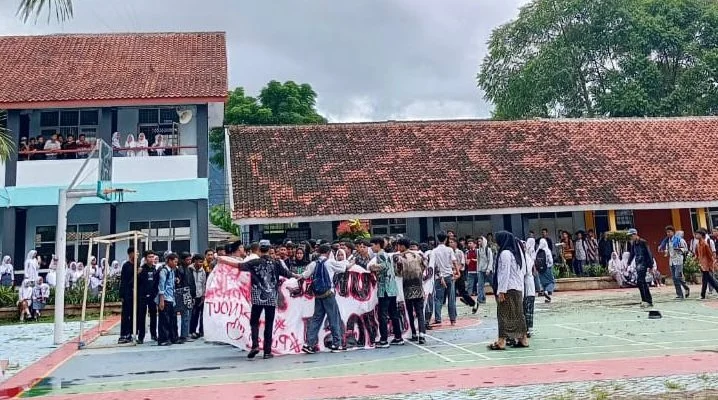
[[531, 248], [31, 266], [26, 290], [142, 142], [51, 277], [6, 267], [115, 268], [159, 142], [543, 246], [129, 145], [116, 140]]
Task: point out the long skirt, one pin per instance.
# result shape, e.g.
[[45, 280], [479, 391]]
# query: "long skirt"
[[512, 322], [529, 310], [547, 280]]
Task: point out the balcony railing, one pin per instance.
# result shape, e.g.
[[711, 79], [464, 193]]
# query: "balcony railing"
[[27, 154]]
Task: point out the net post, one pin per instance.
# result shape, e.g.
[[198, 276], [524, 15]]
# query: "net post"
[[84, 296], [60, 239], [105, 269], [134, 295]]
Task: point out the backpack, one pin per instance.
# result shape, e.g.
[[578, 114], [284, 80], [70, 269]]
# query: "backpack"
[[156, 283], [321, 282], [540, 261]]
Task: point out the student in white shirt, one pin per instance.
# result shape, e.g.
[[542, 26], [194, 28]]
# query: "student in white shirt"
[[509, 286], [7, 272], [443, 262]]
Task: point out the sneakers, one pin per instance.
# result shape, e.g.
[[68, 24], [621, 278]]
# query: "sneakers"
[[195, 336], [397, 342], [253, 353], [422, 340], [414, 338], [308, 350], [646, 305], [336, 349], [383, 345], [268, 356], [475, 308], [688, 293]]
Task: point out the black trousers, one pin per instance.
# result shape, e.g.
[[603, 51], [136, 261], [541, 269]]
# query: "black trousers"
[[126, 318], [708, 279], [197, 312], [146, 305], [269, 312], [464, 295], [643, 286], [416, 306], [388, 310], [167, 330]]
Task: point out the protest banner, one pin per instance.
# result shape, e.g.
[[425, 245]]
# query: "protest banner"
[[228, 304]]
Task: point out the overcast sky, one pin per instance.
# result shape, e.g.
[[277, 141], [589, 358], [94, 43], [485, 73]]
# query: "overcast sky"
[[366, 59]]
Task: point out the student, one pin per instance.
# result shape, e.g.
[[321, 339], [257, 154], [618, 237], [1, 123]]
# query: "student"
[[200, 282], [543, 263], [387, 290], [7, 272], [472, 260], [31, 266], [485, 268], [24, 303], [185, 292], [167, 329], [641, 255], [674, 248], [146, 292], [443, 262], [127, 288], [410, 265], [529, 286], [40, 294], [325, 304], [460, 284], [265, 273], [705, 257]]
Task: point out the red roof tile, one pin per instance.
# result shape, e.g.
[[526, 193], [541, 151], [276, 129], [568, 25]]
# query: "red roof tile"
[[365, 169], [102, 67]]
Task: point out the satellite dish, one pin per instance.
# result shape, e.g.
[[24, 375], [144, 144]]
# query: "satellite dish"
[[184, 116]]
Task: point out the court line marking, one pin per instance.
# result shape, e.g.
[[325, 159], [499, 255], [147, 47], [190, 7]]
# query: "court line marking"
[[689, 314], [667, 316], [602, 322], [460, 348], [426, 349], [613, 337]]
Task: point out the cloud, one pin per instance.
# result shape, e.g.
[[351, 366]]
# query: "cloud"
[[367, 60]]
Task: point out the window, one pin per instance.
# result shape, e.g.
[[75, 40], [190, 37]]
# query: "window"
[[624, 219], [553, 222], [277, 233], [474, 226], [77, 241], [389, 226], [154, 121], [174, 235], [70, 122]]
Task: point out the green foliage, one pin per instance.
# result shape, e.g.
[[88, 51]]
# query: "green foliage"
[[691, 269], [596, 270], [222, 218], [617, 58], [33, 8], [619, 236], [278, 103], [8, 296], [6, 143]]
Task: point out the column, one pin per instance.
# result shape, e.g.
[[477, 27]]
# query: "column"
[[9, 237], [105, 128], [108, 216], [676, 218], [13, 126], [202, 226], [701, 214], [589, 220], [612, 220], [202, 142]]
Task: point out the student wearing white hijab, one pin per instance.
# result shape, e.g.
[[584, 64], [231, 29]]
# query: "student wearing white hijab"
[[7, 272], [543, 262], [615, 268], [142, 145], [159, 144], [116, 145], [71, 275], [31, 266], [94, 272], [130, 144], [40, 294], [80, 273], [114, 269], [529, 284], [25, 299], [51, 277]]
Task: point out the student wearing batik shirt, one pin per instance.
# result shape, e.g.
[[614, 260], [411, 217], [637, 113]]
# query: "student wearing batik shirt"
[[361, 255], [387, 290], [410, 265]]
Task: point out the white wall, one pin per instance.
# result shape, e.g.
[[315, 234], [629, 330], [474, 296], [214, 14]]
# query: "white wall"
[[215, 115], [2, 174], [124, 170]]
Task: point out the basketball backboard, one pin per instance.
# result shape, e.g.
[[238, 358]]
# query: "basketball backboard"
[[104, 169]]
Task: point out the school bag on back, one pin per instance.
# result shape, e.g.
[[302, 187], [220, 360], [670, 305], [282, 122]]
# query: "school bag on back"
[[321, 282], [540, 262]]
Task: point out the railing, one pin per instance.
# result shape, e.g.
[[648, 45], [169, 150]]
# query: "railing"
[[152, 151]]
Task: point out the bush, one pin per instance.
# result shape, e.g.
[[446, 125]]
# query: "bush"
[[691, 269], [8, 296], [596, 270]]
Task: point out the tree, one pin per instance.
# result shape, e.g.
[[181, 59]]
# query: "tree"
[[6, 143], [33, 8], [615, 58], [278, 103]]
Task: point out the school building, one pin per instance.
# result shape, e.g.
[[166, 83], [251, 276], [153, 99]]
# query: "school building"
[[168, 88], [475, 176]]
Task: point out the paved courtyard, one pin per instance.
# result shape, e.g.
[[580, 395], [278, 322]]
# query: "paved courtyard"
[[587, 345]]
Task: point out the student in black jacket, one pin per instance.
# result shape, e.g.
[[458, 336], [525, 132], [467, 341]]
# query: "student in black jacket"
[[147, 290], [127, 286], [184, 304]]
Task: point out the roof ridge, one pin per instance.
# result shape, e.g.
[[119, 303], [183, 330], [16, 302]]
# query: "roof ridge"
[[106, 34]]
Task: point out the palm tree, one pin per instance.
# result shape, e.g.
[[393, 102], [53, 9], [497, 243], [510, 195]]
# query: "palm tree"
[[62, 9], [6, 143]]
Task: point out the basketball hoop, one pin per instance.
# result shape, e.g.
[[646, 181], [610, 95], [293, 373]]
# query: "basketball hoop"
[[117, 195]]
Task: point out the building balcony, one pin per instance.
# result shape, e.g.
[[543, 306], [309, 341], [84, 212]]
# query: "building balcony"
[[58, 168]]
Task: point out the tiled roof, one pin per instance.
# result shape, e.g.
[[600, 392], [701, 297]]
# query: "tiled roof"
[[400, 168], [102, 67]]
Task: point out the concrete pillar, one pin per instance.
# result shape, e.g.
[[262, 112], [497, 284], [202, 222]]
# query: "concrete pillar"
[[589, 220], [202, 142], [701, 214], [13, 126], [612, 220], [9, 236], [676, 219], [202, 226], [105, 128], [497, 223]]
